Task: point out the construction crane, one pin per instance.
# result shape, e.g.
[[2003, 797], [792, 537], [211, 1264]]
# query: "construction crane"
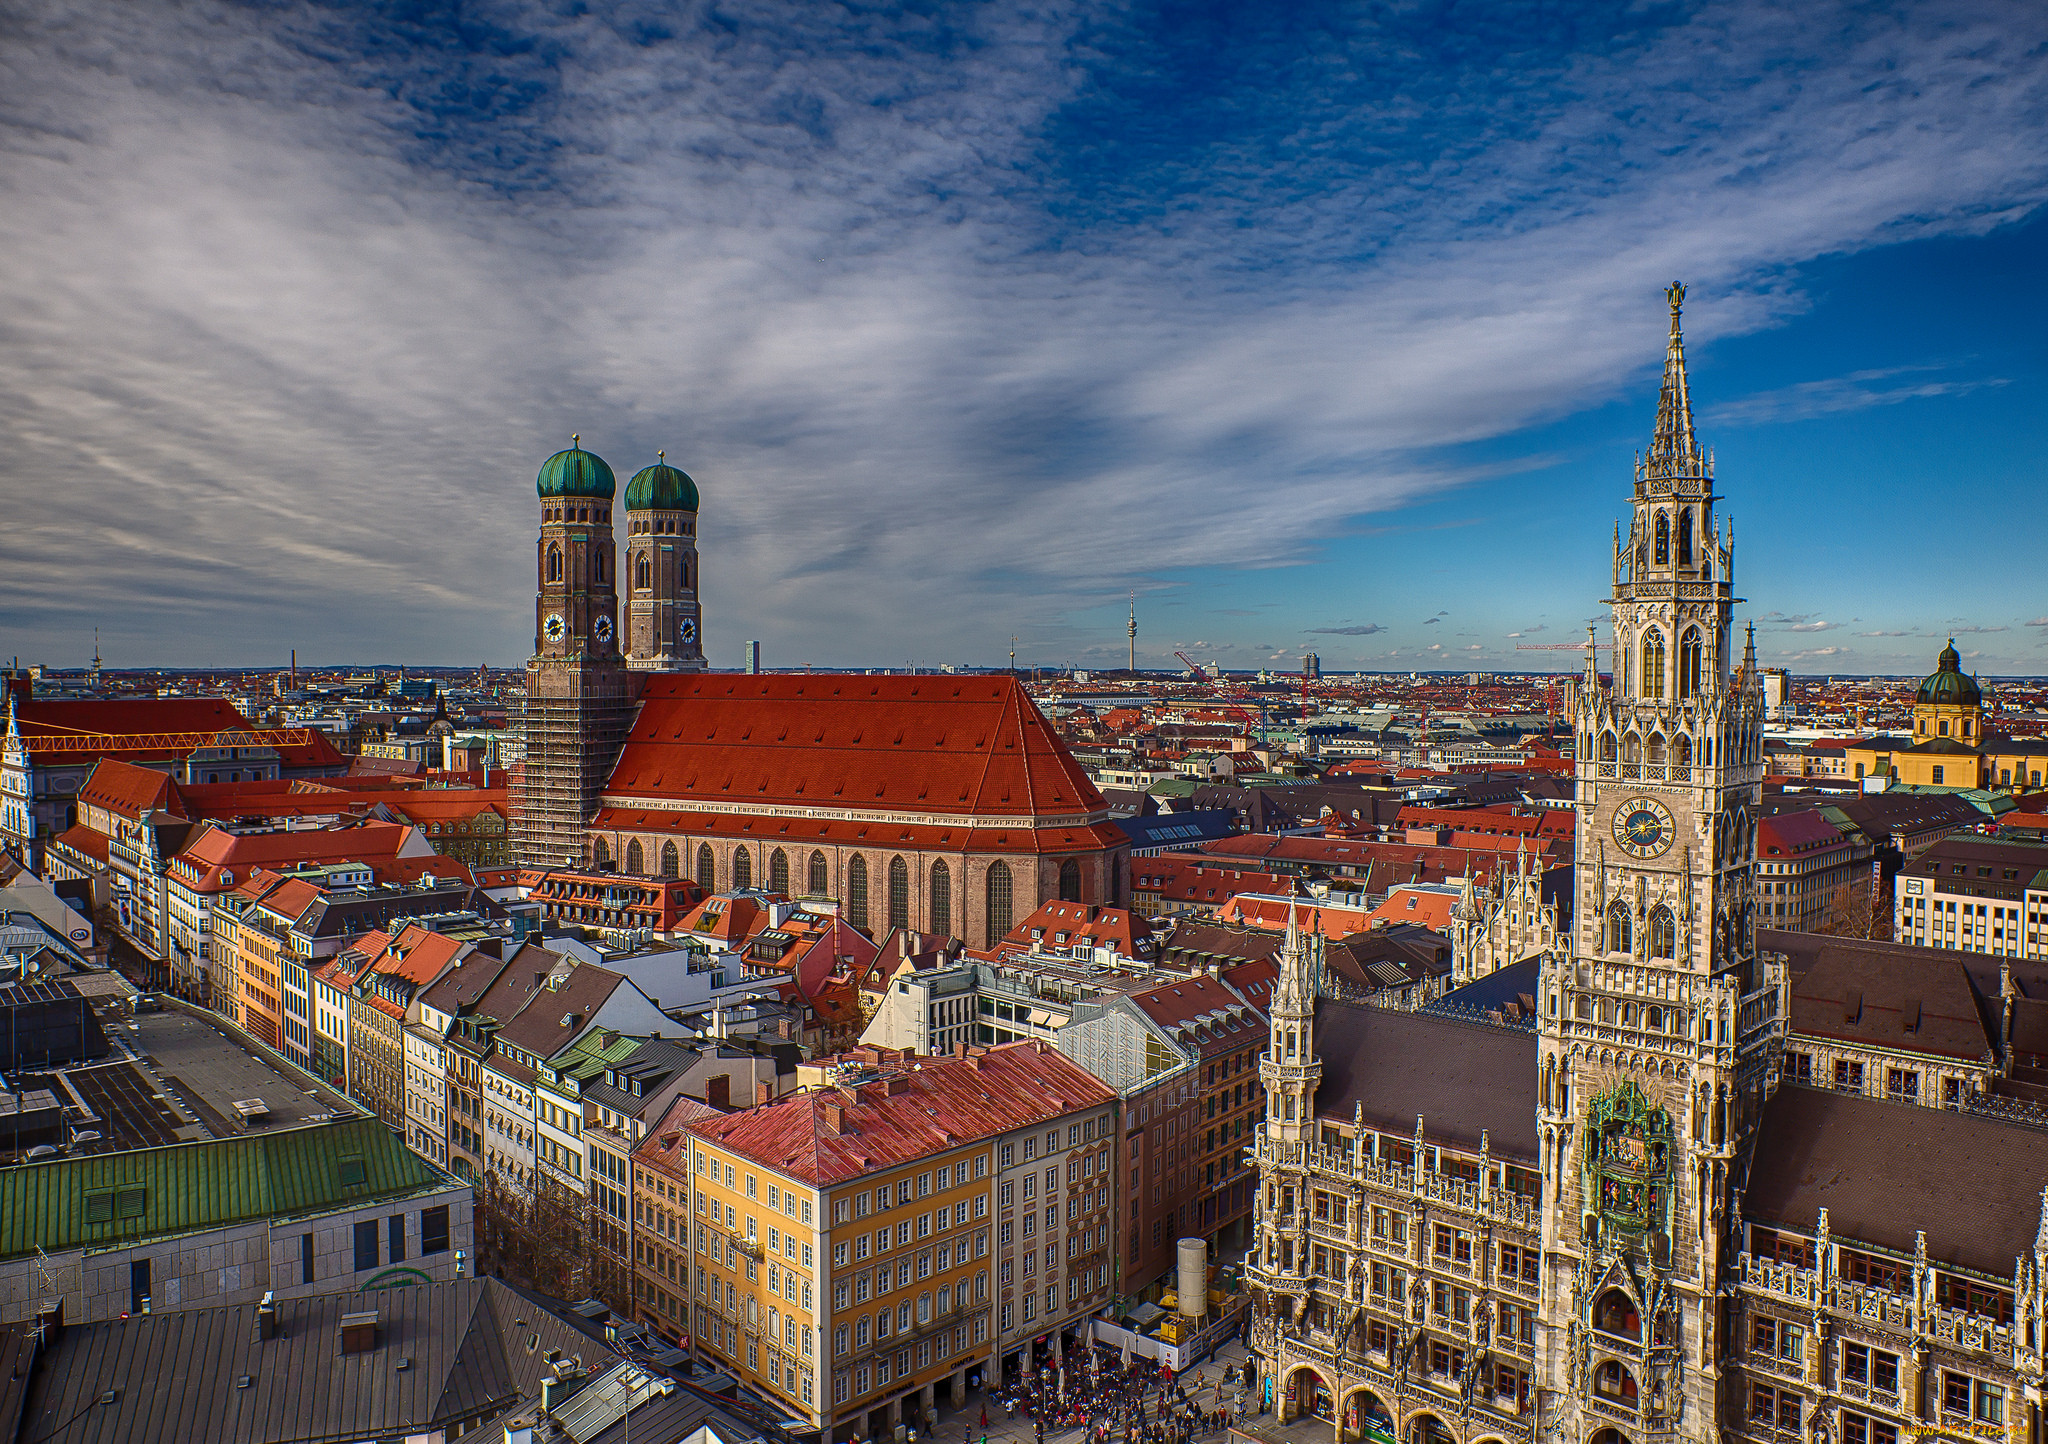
[[1560, 646], [37, 740], [1200, 675]]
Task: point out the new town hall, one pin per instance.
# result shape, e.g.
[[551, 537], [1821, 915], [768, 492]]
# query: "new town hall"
[[941, 804], [1635, 1221]]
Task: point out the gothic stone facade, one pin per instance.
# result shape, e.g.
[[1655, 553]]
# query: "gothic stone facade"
[[1627, 1227]]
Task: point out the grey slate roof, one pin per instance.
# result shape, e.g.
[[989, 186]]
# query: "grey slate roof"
[[1460, 1077], [475, 1347], [1886, 1170]]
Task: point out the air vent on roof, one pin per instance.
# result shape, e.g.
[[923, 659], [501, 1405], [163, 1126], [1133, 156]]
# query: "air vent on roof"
[[1852, 1007]]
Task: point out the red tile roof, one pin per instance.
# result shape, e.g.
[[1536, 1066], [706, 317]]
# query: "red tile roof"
[[83, 840], [216, 849], [927, 744], [129, 791], [1783, 834], [915, 1109]]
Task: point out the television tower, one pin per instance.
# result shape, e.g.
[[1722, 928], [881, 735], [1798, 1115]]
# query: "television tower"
[[1134, 634]]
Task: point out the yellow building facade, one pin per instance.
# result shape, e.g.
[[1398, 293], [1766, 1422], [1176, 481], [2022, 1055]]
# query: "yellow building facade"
[[1950, 745]]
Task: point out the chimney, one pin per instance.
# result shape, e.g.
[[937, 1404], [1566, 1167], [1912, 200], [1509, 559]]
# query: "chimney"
[[718, 1091], [834, 1117], [764, 1093], [266, 1317], [359, 1332]]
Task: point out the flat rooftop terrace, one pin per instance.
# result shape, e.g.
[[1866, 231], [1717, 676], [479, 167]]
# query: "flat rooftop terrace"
[[176, 1076]]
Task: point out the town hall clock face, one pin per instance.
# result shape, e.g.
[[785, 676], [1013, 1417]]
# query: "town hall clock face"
[[554, 626], [1642, 825]]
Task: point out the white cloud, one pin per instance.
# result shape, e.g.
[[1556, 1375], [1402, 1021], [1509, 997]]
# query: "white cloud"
[[286, 342]]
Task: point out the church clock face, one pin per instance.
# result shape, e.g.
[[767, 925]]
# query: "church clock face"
[[688, 630], [1643, 827], [554, 627], [603, 629]]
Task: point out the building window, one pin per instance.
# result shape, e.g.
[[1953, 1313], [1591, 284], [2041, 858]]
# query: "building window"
[[857, 891], [636, 860], [1861, 1429], [899, 892], [997, 912], [1653, 665], [1619, 931], [1663, 933], [601, 855], [778, 872], [1938, 771], [1774, 1408], [1849, 1075], [554, 563], [707, 868], [942, 898], [1778, 1339], [366, 1244], [1972, 1398], [305, 1258], [671, 861], [742, 870], [1070, 881], [821, 875], [1872, 1368]]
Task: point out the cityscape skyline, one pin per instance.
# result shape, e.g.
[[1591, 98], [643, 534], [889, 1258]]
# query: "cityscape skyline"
[[958, 346]]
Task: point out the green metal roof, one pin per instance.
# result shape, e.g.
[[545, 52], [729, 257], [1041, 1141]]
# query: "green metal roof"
[[115, 1200], [661, 488], [576, 472]]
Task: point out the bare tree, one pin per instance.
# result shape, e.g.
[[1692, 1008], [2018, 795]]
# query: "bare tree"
[[534, 1237]]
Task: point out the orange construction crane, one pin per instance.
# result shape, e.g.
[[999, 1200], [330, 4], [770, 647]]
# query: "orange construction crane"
[[1560, 646], [39, 741], [1200, 675]]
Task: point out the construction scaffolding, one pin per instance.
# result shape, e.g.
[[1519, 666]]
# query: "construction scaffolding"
[[575, 723]]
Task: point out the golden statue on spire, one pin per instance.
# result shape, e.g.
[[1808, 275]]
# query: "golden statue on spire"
[[1675, 294]]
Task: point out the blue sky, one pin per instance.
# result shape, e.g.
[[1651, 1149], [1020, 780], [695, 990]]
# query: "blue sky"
[[1324, 327]]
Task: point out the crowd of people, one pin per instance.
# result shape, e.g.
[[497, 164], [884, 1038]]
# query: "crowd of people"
[[1117, 1401]]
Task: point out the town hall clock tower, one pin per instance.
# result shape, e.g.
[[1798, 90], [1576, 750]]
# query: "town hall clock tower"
[[1660, 1028]]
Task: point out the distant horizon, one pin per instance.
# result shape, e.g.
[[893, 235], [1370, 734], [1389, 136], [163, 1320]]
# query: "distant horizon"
[[1158, 674]]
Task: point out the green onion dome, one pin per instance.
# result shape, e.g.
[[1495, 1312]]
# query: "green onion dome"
[[1947, 684], [576, 472], [661, 488]]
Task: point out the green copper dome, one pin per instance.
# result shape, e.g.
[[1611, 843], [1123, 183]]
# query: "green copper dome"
[[661, 488], [576, 472], [1948, 684]]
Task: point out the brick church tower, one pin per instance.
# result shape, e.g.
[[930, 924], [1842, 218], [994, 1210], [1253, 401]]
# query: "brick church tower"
[[577, 700], [662, 618]]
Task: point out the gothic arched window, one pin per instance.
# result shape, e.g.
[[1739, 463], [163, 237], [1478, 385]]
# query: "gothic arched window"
[[1606, 746], [643, 573], [899, 892], [1631, 755], [1663, 540], [1685, 536], [1681, 752], [1653, 665], [996, 916], [778, 872], [554, 563], [1691, 654], [1613, 1313], [742, 870], [636, 860], [597, 566], [942, 898], [671, 861], [601, 855], [821, 875], [1655, 754], [707, 868], [1663, 933], [1619, 935], [1612, 1381], [857, 891], [1070, 881]]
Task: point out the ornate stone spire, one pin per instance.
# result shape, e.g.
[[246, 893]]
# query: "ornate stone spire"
[[1673, 452]]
